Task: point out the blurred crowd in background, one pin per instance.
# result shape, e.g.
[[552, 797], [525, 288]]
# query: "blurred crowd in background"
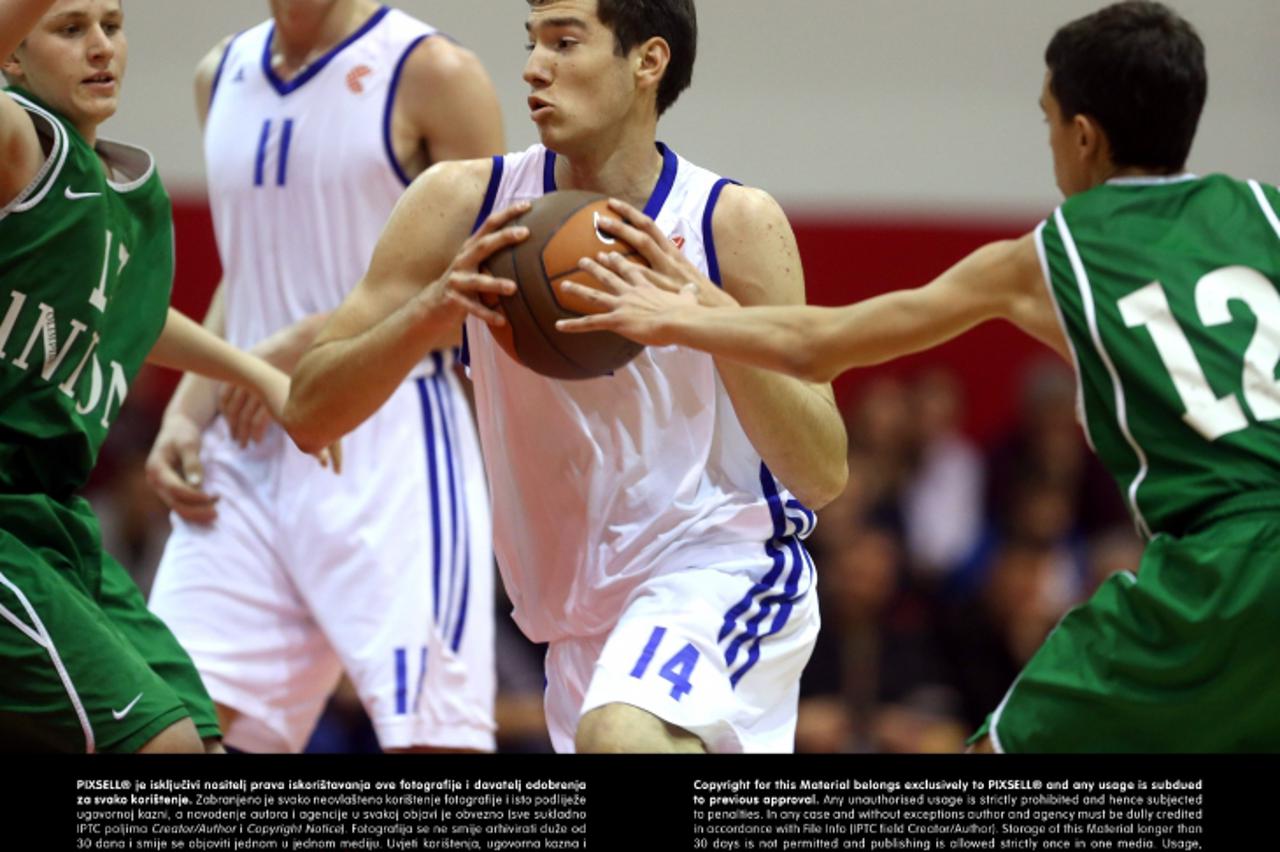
[[941, 568]]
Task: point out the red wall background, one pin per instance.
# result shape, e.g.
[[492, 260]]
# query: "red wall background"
[[845, 258]]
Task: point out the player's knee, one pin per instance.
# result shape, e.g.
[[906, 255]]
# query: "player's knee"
[[622, 729], [179, 738]]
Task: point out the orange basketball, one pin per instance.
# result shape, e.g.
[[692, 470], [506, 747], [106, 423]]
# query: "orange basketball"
[[562, 230]]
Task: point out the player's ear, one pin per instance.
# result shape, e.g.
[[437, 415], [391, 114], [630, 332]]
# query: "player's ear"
[[651, 60], [12, 68], [1090, 139]]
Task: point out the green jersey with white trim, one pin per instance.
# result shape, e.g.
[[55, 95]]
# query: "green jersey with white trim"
[[1168, 290], [86, 266]]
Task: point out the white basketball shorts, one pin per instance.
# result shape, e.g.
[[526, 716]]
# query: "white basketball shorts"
[[714, 649], [384, 571]]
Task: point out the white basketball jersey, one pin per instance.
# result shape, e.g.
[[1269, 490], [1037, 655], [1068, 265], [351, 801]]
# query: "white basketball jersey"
[[598, 484], [302, 176]]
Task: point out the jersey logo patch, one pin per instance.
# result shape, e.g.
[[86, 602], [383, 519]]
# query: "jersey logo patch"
[[72, 195], [678, 240], [239, 78], [120, 714], [354, 77]]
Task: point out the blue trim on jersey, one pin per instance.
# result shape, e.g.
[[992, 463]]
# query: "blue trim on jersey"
[[261, 159], [784, 547], [456, 640], [217, 75], [422, 678], [666, 180], [708, 238], [434, 480], [282, 88], [661, 190], [390, 105], [486, 207], [549, 172], [282, 168], [402, 681], [464, 351], [439, 389]]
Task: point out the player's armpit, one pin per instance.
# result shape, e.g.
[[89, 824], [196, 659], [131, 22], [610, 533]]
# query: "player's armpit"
[[20, 150], [448, 100], [760, 265]]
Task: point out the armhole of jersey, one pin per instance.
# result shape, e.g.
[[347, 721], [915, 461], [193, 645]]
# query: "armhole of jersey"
[[217, 75], [708, 238], [1066, 332], [1267, 209], [490, 193], [48, 172], [390, 108]]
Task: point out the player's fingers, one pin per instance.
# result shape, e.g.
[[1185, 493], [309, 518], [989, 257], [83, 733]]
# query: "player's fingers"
[[589, 322], [335, 456], [595, 298], [481, 246], [234, 400], [659, 252], [190, 466], [477, 308], [259, 421], [638, 220], [637, 274], [201, 511], [602, 270], [499, 218], [478, 283]]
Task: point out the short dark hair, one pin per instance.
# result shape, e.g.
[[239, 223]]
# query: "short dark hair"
[[1137, 68], [675, 21]]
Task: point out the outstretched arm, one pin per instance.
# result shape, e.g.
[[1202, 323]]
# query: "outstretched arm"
[[20, 150], [424, 278], [759, 265], [1000, 280]]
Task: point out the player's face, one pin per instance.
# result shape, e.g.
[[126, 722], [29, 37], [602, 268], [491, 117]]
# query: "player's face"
[[74, 60], [1068, 166], [581, 89]]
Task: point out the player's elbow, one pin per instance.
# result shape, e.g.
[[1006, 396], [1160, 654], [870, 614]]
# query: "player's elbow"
[[828, 483], [305, 429]]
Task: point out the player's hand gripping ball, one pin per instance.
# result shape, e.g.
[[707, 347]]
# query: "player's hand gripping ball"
[[562, 229]]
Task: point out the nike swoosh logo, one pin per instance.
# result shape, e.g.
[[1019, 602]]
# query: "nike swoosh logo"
[[120, 714], [601, 235], [75, 195]]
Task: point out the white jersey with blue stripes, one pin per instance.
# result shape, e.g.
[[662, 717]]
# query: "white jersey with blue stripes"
[[600, 484], [302, 175]]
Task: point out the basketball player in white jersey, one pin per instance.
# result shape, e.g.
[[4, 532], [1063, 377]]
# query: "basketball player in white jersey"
[[274, 579], [647, 523]]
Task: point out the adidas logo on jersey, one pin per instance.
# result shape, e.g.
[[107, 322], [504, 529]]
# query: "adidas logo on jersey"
[[355, 75]]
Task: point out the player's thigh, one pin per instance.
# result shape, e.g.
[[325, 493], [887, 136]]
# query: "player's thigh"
[[226, 593], [1172, 659], [716, 651], [121, 600], [71, 680], [406, 547]]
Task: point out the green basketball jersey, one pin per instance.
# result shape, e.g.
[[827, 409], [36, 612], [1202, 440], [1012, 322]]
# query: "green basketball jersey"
[[1169, 292], [86, 265]]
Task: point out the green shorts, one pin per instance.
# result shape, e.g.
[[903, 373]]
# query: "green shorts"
[[1182, 658], [84, 665]]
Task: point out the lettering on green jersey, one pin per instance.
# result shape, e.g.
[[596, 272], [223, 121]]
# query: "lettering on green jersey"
[[44, 327]]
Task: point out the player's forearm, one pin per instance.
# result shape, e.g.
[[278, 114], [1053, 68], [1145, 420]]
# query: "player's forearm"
[[184, 345], [17, 18], [196, 397], [796, 428], [816, 344], [341, 381]]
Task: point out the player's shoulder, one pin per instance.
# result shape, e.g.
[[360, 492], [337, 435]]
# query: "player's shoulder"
[[742, 206], [20, 148], [449, 185], [439, 62]]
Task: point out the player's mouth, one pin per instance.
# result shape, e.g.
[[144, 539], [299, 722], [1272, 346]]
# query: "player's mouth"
[[538, 108], [102, 83]]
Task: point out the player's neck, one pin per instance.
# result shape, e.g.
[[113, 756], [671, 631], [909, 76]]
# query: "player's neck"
[[303, 36], [628, 170]]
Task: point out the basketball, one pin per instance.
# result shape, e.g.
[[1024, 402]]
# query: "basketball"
[[562, 230]]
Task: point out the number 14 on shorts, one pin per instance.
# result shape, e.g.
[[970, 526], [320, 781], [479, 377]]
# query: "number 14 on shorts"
[[677, 669]]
